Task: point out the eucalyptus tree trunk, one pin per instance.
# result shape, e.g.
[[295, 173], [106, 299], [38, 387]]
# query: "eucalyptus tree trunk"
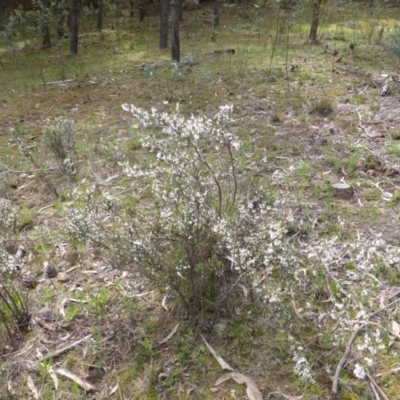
[[315, 21], [163, 24], [100, 15], [142, 10], [217, 9], [73, 26], [59, 14], [180, 5], [46, 41], [175, 30]]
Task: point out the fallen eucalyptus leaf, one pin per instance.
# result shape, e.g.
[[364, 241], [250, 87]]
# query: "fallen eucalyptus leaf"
[[395, 329], [172, 333], [32, 387], [252, 391], [221, 361], [53, 376]]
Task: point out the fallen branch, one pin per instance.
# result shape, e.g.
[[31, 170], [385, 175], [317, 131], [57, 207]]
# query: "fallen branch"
[[66, 81], [377, 388], [58, 352], [356, 331], [224, 365], [79, 381]]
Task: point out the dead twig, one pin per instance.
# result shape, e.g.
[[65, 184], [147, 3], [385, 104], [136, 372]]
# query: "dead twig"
[[377, 388], [356, 331], [58, 352], [61, 83], [79, 381]]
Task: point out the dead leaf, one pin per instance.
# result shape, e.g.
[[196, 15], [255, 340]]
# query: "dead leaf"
[[252, 391], [53, 376], [172, 333], [114, 389], [395, 329], [245, 290], [291, 397], [32, 386], [221, 361], [164, 303], [64, 303]]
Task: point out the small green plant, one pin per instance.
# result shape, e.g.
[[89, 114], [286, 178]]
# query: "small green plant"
[[14, 312], [59, 138], [395, 199], [44, 367], [304, 170], [98, 303], [148, 347], [25, 218], [322, 107], [393, 150]]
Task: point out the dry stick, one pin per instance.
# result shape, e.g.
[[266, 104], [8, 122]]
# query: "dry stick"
[[356, 331], [346, 354], [64, 349], [377, 388], [79, 381], [234, 177], [213, 176], [374, 391]]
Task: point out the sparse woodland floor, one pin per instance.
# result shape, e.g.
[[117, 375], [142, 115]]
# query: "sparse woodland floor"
[[307, 119]]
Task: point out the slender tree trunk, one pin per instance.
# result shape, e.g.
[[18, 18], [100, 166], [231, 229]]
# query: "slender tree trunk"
[[163, 24], [100, 15], [131, 5], [315, 21], [175, 30], [217, 9], [142, 10], [59, 13], [45, 25], [73, 26], [180, 5]]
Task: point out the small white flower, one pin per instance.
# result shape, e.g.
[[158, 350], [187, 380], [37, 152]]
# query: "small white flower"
[[359, 371]]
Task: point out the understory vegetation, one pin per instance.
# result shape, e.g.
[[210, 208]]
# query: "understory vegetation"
[[180, 231]]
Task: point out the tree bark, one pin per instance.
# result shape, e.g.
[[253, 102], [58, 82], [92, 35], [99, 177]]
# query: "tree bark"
[[100, 15], [180, 5], [73, 28], [217, 10], [45, 25], [315, 21], [59, 13], [163, 24], [175, 30], [142, 10], [131, 6]]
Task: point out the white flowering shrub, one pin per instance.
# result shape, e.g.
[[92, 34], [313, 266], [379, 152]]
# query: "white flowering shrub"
[[186, 224], [59, 138], [9, 217], [191, 231]]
